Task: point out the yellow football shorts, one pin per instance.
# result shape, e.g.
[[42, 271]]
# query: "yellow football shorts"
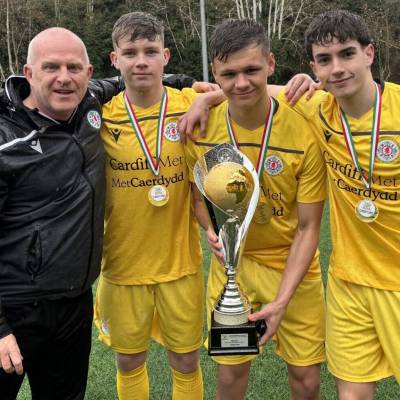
[[300, 338], [171, 312], [362, 331]]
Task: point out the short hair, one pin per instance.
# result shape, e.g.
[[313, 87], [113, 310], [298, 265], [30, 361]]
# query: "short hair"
[[233, 35], [338, 24], [137, 25]]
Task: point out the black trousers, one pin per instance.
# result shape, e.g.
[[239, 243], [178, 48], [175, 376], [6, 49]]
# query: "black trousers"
[[54, 337]]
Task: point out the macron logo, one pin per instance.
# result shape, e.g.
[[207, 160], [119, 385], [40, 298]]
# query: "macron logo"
[[35, 145], [327, 135], [115, 133]]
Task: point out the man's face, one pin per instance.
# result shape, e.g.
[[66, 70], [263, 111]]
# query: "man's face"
[[342, 68], [140, 62], [58, 76], [243, 76]]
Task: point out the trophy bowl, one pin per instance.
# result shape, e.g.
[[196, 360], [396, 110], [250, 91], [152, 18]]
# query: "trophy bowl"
[[229, 185]]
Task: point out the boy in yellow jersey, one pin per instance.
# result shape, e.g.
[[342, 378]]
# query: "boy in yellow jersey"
[[151, 274], [280, 253], [359, 134]]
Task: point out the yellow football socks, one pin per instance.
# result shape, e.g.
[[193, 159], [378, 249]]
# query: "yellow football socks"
[[133, 385], [187, 386]]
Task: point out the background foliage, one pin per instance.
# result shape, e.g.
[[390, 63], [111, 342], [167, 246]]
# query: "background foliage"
[[285, 20]]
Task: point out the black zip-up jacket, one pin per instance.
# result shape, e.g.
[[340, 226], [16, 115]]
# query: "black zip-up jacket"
[[52, 190], [52, 193]]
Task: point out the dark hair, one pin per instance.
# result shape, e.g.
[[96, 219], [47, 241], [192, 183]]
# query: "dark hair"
[[233, 35], [137, 25], [338, 24]]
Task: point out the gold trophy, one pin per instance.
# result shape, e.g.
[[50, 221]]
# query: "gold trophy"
[[229, 183]]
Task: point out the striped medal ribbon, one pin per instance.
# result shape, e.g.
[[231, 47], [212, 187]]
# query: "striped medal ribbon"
[[263, 212], [265, 136], [158, 195], [366, 209]]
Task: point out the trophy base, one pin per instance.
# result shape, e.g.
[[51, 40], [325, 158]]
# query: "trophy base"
[[232, 340]]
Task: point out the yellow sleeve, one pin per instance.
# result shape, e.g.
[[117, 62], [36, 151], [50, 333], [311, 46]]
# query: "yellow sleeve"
[[312, 180], [307, 108], [191, 158], [189, 95]]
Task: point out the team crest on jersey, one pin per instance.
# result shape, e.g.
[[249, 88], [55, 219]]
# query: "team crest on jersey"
[[273, 165], [94, 119], [387, 150], [171, 132]]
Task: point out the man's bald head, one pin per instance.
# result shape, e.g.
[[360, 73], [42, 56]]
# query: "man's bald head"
[[53, 35], [58, 72]]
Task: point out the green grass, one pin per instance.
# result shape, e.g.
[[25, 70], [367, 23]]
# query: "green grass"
[[268, 379]]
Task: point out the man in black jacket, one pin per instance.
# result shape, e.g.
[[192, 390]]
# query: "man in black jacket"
[[51, 217]]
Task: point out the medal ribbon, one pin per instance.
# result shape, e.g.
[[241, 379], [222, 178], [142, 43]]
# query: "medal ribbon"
[[154, 163], [265, 136], [367, 179]]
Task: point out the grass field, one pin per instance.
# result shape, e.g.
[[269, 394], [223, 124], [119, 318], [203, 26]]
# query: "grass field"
[[268, 380]]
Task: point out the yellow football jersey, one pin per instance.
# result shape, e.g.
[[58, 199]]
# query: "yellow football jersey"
[[143, 243], [293, 172], [363, 253]]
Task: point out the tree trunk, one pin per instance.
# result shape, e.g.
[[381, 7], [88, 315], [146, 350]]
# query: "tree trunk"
[[8, 30]]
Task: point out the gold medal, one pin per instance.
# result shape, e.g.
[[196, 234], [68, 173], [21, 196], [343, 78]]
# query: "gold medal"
[[367, 211], [263, 213], [158, 195]]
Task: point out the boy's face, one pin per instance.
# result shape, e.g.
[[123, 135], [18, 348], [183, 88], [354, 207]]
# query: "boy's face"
[[342, 68], [243, 76], [141, 62]]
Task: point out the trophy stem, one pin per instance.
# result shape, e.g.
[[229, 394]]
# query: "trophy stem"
[[232, 307]]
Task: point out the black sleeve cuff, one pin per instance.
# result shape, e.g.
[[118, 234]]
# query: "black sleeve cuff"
[[5, 329], [178, 81]]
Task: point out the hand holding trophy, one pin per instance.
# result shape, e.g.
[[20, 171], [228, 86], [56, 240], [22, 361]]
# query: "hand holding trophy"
[[228, 181]]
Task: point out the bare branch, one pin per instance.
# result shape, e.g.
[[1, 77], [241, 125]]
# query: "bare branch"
[[8, 31], [280, 20], [297, 17], [269, 19]]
